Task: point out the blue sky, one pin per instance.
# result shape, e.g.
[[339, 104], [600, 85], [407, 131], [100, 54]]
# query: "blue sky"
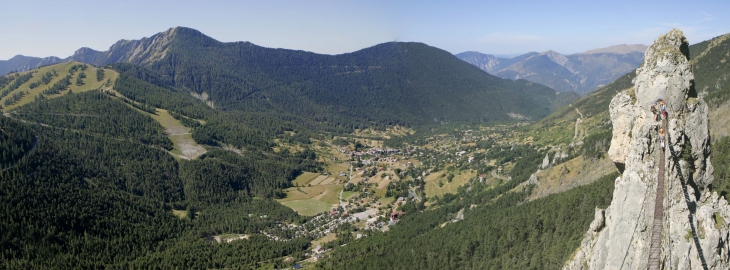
[[58, 28]]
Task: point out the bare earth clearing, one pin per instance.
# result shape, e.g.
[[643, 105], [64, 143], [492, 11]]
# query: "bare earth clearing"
[[184, 145]]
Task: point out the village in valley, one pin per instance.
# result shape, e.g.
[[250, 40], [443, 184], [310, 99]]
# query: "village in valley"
[[368, 187], [370, 180]]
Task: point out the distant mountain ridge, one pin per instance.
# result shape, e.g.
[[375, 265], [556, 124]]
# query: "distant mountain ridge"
[[25, 63], [391, 83], [581, 72], [395, 83]]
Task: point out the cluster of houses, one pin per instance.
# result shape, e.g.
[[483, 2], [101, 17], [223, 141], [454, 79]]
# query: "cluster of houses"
[[316, 227], [374, 160], [375, 151], [316, 253]]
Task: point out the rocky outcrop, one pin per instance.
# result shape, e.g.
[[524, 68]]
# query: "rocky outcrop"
[[533, 179], [142, 51], [546, 161], [694, 220], [559, 156]]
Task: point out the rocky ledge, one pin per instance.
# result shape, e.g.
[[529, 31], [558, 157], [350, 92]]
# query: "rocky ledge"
[[693, 220]]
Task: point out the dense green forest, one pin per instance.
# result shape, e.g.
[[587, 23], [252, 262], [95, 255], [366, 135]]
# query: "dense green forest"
[[78, 199], [721, 162], [86, 183], [710, 69], [97, 113]]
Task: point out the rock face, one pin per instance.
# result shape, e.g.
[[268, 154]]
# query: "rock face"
[[141, 51], [694, 223], [545, 162]]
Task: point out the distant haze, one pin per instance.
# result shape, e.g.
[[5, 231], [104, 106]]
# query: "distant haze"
[[619, 49]]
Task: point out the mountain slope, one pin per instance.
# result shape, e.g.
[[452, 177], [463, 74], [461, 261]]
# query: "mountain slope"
[[581, 72], [51, 81], [88, 171], [708, 59], [387, 84]]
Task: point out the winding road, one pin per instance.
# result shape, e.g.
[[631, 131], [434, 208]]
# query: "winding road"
[[494, 174], [343, 190], [577, 121]]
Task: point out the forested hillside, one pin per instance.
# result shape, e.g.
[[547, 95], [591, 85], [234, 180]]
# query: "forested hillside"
[[76, 200], [87, 180], [407, 84]]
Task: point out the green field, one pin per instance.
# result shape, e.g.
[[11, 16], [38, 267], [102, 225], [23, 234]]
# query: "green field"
[[308, 207], [312, 200], [432, 182], [304, 178], [335, 169], [90, 82], [327, 238], [387, 200], [302, 193], [348, 194], [380, 192]]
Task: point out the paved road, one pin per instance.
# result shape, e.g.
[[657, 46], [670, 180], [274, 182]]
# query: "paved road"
[[494, 174]]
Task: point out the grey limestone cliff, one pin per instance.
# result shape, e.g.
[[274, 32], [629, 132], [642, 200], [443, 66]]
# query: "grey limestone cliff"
[[693, 220], [140, 51]]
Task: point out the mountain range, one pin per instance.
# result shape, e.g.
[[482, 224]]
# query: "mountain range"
[[391, 83], [581, 72], [95, 173]]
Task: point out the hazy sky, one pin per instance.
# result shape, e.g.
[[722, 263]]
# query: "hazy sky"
[[58, 28]]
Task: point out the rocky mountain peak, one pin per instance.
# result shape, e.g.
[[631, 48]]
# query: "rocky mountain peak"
[[662, 213], [581, 72], [142, 51], [556, 57], [486, 62], [85, 50]]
